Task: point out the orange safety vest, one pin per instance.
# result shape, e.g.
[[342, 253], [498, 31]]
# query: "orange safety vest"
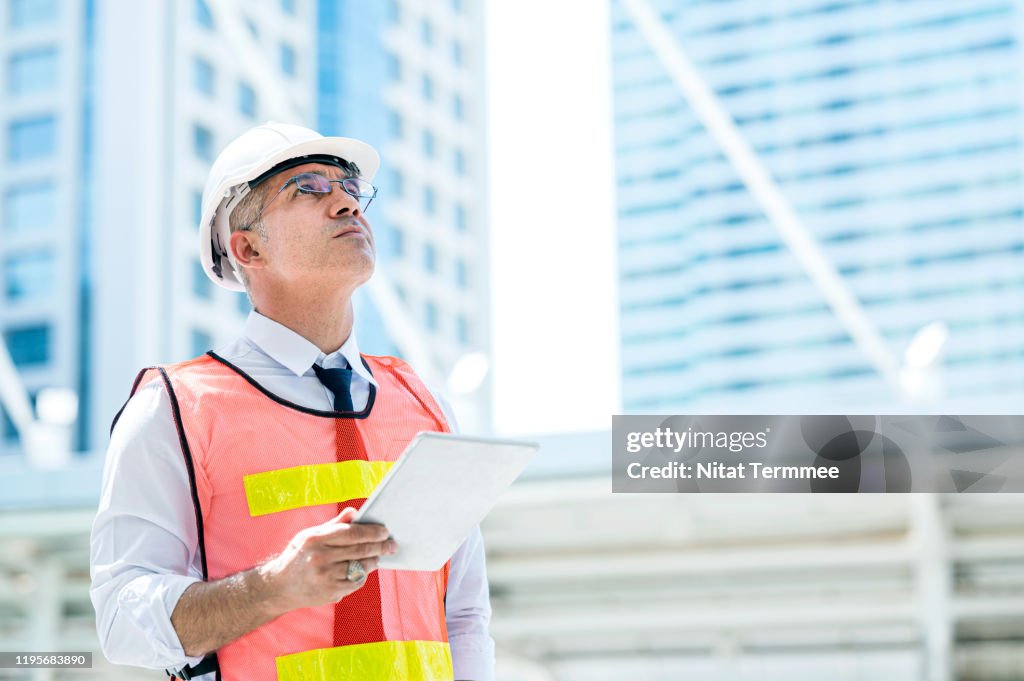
[[262, 469]]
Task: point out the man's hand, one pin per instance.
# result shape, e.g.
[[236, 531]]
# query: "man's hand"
[[312, 569]]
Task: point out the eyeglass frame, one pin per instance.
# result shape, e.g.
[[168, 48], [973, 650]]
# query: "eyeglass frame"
[[341, 182]]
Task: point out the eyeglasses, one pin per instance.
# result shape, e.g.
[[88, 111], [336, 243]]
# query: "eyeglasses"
[[315, 183]]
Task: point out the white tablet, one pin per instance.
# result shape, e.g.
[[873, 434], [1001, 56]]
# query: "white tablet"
[[440, 488]]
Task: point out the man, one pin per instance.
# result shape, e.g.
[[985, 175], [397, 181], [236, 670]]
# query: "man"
[[232, 479]]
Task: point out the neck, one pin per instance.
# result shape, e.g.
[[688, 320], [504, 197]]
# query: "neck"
[[322, 318]]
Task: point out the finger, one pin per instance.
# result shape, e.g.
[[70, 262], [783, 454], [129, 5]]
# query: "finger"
[[345, 516], [360, 551], [346, 535]]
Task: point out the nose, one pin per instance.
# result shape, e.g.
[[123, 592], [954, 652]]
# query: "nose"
[[343, 204]]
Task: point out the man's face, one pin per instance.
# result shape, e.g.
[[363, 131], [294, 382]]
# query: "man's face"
[[316, 240]]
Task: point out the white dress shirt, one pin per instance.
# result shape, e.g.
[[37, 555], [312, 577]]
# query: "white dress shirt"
[[144, 547]]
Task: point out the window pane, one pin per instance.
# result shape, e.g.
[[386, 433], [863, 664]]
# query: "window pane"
[[459, 162], [29, 345], [32, 72], [201, 342], [197, 208], [202, 287], [203, 16], [244, 306], [457, 107], [203, 142], [427, 85], [457, 53], [246, 100], [462, 330], [461, 275], [430, 315], [428, 143], [429, 258], [203, 76], [32, 139], [32, 12], [394, 67], [29, 209], [288, 6], [426, 32], [429, 201], [28, 276], [398, 243], [460, 217], [287, 59], [395, 124], [397, 183]]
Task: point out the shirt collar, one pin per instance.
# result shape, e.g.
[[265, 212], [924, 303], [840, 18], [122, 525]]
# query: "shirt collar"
[[298, 354]]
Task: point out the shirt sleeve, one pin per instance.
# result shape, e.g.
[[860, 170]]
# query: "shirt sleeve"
[[468, 600], [143, 547]]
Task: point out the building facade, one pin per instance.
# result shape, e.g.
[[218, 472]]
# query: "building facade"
[[894, 132], [111, 115]]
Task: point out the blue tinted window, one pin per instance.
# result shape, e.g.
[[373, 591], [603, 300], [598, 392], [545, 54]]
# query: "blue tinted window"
[[201, 342], [202, 140], [457, 107], [29, 345], [427, 87], [428, 143], [287, 59], [393, 11], [197, 208], [427, 32], [429, 257], [203, 72], [203, 16], [32, 12], [461, 274], [457, 53], [459, 162], [289, 6], [457, 5], [395, 126], [34, 71], [29, 209], [243, 303], [462, 330], [460, 217], [202, 287], [397, 184], [28, 276], [398, 243], [430, 315], [394, 67], [246, 100], [32, 138], [429, 200]]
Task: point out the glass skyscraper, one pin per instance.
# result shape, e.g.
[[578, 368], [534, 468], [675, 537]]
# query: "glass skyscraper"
[[407, 76], [893, 130]]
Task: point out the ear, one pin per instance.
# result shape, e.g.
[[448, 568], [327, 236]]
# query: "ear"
[[248, 249]]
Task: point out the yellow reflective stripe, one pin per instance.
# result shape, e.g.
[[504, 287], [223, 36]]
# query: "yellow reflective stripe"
[[323, 483], [383, 661]]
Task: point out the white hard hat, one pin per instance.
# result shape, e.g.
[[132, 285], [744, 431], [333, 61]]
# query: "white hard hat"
[[249, 158]]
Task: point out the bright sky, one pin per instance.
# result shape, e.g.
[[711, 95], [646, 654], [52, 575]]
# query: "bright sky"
[[556, 366]]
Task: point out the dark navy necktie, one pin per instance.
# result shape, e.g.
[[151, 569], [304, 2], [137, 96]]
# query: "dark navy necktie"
[[339, 382]]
